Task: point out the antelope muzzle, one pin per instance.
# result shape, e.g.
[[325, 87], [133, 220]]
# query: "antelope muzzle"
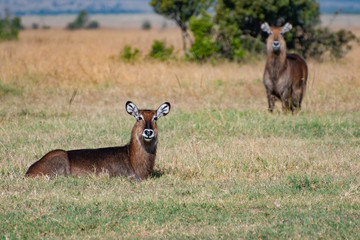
[[276, 46], [148, 135]]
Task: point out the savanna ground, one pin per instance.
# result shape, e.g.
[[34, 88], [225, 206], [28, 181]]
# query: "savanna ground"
[[225, 168]]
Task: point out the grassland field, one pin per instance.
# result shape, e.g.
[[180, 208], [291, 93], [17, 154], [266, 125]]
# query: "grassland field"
[[225, 168]]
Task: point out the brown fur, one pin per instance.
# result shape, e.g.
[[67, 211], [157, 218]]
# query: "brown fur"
[[285, 75], [135, 160]]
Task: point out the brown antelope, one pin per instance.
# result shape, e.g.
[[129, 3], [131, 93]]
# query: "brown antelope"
[[134, 160], [285, 75]]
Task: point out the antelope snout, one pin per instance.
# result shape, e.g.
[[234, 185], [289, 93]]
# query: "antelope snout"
[[276, 45], [148, 135]]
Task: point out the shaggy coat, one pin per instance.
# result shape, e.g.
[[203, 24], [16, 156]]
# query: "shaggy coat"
[[135, 160], [285, 75]]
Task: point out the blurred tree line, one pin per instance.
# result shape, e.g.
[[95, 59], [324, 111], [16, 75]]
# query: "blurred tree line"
[[82, 21], [230, 29], [9, 27]]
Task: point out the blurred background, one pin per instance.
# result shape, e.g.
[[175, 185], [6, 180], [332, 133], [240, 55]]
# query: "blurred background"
[[133, 13]]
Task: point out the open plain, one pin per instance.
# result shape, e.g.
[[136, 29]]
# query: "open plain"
[[225, 167]]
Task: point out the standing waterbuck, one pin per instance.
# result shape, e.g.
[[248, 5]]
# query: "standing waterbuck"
[[134, 160], [285, 75]]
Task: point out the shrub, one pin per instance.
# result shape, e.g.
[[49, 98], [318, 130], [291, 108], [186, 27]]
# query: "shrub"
[[128, 55], [203, 47], [82, 21], [9, 28], [324, 41], [239, 27], [160, 51], [35, 26], [181, 11], [146, 25], [93, 25]]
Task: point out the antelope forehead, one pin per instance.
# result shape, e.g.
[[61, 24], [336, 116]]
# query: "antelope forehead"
[[148, 114], [276, 33]]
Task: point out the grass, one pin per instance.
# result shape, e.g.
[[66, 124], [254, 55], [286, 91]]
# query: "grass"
[[225, 167]]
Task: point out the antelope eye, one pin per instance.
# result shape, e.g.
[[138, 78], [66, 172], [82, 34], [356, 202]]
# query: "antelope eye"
[[140, 118], [155, 118]]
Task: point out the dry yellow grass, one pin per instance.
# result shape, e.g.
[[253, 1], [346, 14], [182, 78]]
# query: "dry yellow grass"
[[63, 60], [230, 169]]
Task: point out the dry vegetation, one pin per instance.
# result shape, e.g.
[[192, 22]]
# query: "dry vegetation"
[[227, 168], [61, 60]]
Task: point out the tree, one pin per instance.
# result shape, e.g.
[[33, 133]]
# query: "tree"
[[204, 46], [82, 21], [239, 26], [181, 11], [9, 28]]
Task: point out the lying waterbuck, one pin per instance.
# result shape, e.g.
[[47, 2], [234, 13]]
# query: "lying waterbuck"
[[134, 160], [285, 75]]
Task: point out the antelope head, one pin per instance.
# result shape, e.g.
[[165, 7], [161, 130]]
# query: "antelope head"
[[145, 128], [275, 41]]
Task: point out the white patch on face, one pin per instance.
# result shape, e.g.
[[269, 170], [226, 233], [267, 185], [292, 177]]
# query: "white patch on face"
[[276, 45], [148, 138]]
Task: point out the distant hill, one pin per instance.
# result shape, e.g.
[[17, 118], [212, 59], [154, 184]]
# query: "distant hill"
[[54, 7]]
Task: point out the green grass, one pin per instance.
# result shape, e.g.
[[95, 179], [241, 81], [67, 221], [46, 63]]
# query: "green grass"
[[220, 174], [7, 90]]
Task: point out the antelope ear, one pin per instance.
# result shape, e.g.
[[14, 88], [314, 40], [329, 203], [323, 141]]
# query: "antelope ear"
[[287, 27], [132, 109], [266, 28], [163, 110]]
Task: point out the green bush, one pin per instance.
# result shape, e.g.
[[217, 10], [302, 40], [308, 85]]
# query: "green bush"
[[204, 46], [160, 51], [93, 25], [9, 28], [325, 41], [146, 25], [239, 23], [82, 21], [35, 26], [181, 11], [128, 55]]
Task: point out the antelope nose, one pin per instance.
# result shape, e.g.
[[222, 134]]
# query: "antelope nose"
[[148, 135], [276, 44], [148, 132]]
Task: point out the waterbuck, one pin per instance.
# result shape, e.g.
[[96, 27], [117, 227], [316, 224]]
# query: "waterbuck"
[[134, 160], [285, 75]]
